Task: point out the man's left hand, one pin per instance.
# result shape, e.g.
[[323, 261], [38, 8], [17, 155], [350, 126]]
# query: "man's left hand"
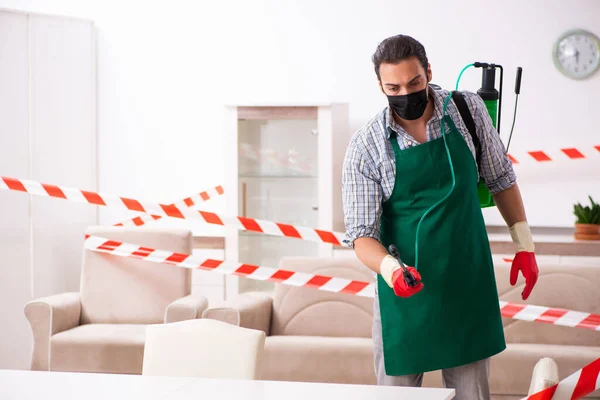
[[524, 260]]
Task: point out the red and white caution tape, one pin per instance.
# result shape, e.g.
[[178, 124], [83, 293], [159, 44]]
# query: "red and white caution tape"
[[516, 311], [574, 387], [523, 312], [554, 316], [187, 202], [301, 279], [568, 153], [173, 211]]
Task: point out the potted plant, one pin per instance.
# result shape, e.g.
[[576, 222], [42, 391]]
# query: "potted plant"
[[587, 225]]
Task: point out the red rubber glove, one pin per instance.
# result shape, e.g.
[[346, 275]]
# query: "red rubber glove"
[[524, 260], [392, 273], [401, 289]]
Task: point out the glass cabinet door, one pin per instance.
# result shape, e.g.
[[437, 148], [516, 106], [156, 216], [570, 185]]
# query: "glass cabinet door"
[[277, 178]]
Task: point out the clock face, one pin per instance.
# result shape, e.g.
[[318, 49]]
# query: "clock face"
[[577, 54]]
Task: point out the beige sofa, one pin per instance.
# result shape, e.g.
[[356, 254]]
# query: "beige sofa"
[[102, 327], [319, 336]]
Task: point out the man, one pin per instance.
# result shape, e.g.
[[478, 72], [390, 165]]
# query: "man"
[[395, 170]]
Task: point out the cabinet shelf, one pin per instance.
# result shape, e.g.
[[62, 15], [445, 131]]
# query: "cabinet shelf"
[[286, 166]]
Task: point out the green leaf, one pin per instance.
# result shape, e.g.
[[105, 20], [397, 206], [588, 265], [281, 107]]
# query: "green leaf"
[[587, 214]]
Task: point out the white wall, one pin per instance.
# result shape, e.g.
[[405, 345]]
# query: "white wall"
[[165, 69]]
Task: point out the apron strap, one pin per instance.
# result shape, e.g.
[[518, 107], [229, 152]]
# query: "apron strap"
[[450, 123]]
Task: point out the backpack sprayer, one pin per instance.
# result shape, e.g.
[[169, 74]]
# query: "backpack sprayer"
[[492, 99]]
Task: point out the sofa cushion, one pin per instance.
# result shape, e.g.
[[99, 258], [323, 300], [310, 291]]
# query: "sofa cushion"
[[129, 291], [103, 348], [319, 359], [511, 370], [305, 311]]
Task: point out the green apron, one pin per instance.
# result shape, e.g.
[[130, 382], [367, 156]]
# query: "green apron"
[[455, 319]]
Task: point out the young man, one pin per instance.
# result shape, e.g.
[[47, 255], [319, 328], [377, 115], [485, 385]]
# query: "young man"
[[396, 168]]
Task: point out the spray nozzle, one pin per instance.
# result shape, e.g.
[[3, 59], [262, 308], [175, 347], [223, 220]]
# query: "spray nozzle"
[[410, 280], [518, 80]]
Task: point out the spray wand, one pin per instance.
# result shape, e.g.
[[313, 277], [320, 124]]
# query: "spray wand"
[[410, 280], [517, 92]]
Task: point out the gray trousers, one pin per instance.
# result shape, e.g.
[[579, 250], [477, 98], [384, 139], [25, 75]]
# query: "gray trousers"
[[470, 382]]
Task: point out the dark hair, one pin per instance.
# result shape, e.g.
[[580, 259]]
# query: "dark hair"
[[398, 48]]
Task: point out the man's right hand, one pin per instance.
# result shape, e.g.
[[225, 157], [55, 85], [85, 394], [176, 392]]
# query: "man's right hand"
[[391, 271]]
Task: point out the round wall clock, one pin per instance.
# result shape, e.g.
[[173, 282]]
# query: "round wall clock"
[[576, 54]]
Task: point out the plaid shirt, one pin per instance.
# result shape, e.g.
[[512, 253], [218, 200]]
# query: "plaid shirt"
[[369, 164]]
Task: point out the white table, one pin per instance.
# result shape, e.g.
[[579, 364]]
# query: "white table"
[[32, 385]]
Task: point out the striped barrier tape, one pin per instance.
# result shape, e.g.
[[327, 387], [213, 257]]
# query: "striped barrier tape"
[[301, 279], [574, 387], [568, 153], [525, 312], [532, 313], [554, 316], [244, 223], [187, 202]]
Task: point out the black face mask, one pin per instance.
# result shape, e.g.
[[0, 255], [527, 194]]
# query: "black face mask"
[[409, 106]]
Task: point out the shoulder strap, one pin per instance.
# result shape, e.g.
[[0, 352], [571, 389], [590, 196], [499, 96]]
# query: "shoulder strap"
[[463, 109]]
